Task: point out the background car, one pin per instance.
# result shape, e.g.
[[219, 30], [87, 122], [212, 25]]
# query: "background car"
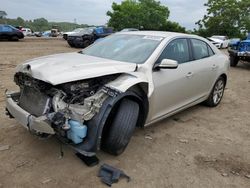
[[222, 40], [217, 44], [239, 50], [96, 97], [65, 34], [10, 33], [233, 41], [26, 31], [129, 29], [38, 33], [46, 33], [88, 36]]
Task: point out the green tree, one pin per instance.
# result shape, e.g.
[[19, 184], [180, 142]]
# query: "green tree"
[[225, 17], [40, 24], [146, 14], [173, 27], [20, 21], [3, 14]]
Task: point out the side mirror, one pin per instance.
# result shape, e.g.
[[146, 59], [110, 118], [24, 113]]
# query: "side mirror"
[[167, 64]]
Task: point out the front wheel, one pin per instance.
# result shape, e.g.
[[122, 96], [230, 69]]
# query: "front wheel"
[[234, 61], [217, 93], [118, 132], [14, 38]]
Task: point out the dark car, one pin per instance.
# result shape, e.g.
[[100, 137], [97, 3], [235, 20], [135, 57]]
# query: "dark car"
[[10, 33], [88, 36], [239, 50]]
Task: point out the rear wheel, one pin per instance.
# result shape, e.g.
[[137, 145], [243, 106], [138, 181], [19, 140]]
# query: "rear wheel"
[[119, 130], [14, 38], [86, 43], [217, 93], [234, 61]]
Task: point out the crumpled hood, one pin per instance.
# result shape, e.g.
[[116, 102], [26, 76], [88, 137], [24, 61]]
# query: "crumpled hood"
[[68, 67]]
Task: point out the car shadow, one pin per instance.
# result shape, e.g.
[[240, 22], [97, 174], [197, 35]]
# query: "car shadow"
[[243, 65]]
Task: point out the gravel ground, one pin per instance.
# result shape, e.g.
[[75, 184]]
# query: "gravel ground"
[[199, 147]]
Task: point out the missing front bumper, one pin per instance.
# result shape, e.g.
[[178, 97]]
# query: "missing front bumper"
[[27, 120]]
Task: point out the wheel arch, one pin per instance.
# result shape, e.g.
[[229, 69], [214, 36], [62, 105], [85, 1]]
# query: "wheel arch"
[[224, 76], [137, 93]]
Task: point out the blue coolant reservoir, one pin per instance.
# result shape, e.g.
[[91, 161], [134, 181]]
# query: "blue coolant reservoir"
[[77, 131]]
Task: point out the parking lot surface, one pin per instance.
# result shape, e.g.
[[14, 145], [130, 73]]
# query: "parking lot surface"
[[200, 147]]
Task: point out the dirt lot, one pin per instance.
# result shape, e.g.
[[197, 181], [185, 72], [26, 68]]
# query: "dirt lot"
[[200, 147]]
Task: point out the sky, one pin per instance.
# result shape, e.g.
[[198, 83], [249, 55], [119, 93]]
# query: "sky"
[[93, 12]]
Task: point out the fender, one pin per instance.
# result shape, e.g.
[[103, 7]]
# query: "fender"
[[126, 81], [97, 123]]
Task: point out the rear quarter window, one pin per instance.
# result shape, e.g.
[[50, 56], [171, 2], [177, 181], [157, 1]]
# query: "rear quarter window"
[[201, 49]]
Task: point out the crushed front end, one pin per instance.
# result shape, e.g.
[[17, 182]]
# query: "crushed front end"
[[67, 110]]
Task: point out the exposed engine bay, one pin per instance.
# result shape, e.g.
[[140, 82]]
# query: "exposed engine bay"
[[67, 107]]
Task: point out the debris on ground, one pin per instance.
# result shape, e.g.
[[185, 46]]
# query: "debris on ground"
[[209, 159], [110, 175], [148, 137], [247, 176], [5, 147], [235, 173], [47, 180], [88, 160], [224, 174], [183, 141], [22, 163], [177, 152]]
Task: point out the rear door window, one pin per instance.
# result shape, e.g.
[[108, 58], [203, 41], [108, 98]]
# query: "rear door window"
[[201, 49], [6, 29]]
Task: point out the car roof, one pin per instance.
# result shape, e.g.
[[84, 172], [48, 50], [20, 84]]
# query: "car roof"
[[158, 33], [218, 36], [248, 40]]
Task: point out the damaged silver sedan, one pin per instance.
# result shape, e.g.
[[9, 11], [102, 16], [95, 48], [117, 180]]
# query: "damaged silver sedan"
[[95, 98]]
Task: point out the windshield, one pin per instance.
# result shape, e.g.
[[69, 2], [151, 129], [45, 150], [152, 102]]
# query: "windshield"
[[122, 47], [13, 27], [87, 30], [77, 30]]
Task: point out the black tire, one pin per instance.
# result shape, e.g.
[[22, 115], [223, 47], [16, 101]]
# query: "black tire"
[[86, 43], [14, 38], [234, 61], [65, 36], [71, 44], [211, 101], [121, 128]]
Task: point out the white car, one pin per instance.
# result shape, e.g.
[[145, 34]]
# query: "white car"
[[222, 41], [95, 98], [78, 30], [26, 31]]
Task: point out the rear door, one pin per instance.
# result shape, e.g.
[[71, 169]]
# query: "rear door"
[[5, 31], [205, 67], [1, 32], [8, 31], [190, 82]]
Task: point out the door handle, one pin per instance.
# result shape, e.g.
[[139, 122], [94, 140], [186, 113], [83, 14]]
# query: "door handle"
[[190, 74]]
